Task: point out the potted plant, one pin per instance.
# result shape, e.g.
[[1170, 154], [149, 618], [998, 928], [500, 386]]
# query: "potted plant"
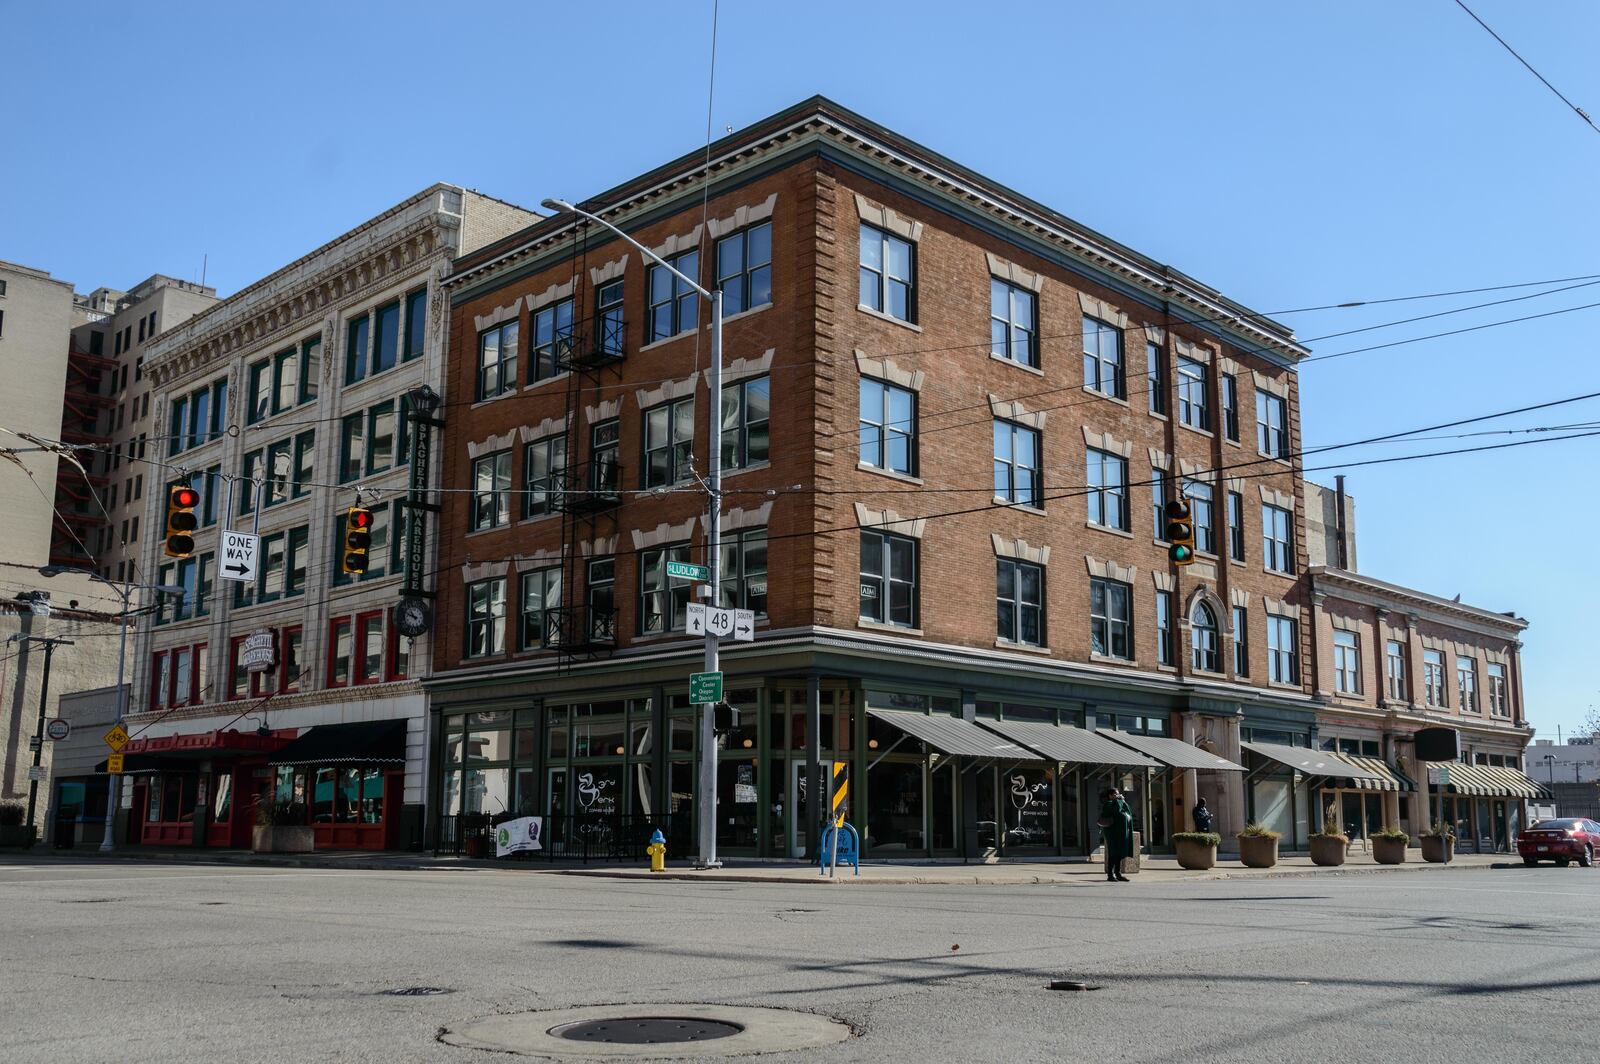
[[281, 828], [1389, 846], [1329, 845], [1438, 844], [1197, 850], [14, 830], [1258, 846]]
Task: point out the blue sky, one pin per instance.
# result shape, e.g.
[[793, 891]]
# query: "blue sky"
[[1289, 154]]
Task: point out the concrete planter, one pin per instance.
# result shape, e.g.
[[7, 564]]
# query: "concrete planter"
[[1438, 849], [1389, 851], [20, 836], [283, 838], [1258, 851], [1328, 851], [1196, 856]]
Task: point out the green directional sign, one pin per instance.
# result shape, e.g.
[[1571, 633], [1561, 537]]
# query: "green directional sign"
[[705, 687], [686, 571]]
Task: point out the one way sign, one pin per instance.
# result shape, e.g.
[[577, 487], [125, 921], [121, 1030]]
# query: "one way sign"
[[239, 554]]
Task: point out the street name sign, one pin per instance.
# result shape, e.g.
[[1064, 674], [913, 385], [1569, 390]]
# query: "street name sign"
[[740, 625], [240, 550], [114, 765], [116, 738], [705, 687], [688, 571]]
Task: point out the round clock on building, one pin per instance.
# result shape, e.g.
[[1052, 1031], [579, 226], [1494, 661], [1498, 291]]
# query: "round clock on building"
[[413, 617]]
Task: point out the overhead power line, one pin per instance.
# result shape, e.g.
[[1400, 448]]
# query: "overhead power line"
[[1580, 112]]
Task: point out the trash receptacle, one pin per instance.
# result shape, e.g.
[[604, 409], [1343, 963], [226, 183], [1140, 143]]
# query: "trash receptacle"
[[1130, 864]]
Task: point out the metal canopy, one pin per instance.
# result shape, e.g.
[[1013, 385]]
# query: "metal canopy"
[[1174, 753], [953, 735], [1314, 762], [372, 741], [1062, 742]]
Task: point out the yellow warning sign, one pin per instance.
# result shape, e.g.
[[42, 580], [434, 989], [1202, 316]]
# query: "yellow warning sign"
[[114, 764], [116, 738], [841, 791]]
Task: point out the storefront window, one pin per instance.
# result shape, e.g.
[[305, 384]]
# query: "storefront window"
[[737, 798], [942, 804], [894, 807], [1030, 806], [1275, 806]]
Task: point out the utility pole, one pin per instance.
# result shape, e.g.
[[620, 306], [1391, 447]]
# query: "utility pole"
[[38, 732]]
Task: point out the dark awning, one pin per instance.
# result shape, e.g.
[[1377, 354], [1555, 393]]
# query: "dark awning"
[[371, 741], [1062, 742], [1174, 753], [1323, 763], [953, 735]]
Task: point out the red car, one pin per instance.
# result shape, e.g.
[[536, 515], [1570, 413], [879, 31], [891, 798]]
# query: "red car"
[[1563, 841]]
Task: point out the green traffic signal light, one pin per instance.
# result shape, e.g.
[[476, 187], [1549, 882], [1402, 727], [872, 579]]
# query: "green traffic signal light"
[[1180, 553]]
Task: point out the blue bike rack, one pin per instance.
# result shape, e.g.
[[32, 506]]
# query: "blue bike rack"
[[849, 848]]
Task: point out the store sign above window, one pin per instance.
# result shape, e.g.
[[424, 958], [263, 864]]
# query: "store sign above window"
[[259, 652]]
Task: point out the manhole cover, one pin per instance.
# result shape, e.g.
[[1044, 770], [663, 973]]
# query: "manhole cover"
[[1071, 984], [646, 1030], [418, 991]]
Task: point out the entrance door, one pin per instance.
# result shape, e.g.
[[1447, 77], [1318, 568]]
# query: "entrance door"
[[555, 829], [796, 810]]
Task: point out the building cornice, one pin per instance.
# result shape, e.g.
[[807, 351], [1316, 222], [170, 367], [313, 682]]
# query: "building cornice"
[[1368, 591]]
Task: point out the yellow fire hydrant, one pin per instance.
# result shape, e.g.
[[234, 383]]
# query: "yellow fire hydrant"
[[657, 851]]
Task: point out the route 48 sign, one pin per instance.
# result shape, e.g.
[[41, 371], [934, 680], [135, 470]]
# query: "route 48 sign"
[[738, 625]]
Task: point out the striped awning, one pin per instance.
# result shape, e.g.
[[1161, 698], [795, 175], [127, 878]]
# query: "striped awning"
[[1485, 781], [1389, 778]]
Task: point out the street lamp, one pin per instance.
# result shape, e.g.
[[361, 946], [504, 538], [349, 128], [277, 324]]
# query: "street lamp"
[[708, 741], [125, 592]]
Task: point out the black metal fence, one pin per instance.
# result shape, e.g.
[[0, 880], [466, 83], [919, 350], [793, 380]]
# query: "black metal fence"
[[580, 837]]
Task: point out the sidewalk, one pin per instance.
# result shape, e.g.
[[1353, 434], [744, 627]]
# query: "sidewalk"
[[873, 873]]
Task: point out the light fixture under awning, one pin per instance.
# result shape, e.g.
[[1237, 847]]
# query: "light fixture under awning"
[[953, 735]]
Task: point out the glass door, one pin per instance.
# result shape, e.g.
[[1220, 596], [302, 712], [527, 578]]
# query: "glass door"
[[555, 829]]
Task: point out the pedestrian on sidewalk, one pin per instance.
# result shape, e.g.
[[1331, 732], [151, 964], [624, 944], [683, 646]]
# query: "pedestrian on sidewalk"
[[1202, 815], [1116, 833]]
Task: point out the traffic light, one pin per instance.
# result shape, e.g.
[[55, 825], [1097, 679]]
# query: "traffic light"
[[181, 521], [357, 538], [724, 717], [1180, 532]]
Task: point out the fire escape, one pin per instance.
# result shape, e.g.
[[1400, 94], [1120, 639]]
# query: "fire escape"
[[79, 495], [587, 488]]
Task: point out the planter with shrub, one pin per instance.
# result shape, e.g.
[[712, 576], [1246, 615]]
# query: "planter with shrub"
[[1438, 845], [1258, 846], [281, 828], [14, 830], [1329, 845], [1197, 850], [1389, 846]]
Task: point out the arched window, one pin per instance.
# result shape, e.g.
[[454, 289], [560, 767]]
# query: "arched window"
[[1203, 638]]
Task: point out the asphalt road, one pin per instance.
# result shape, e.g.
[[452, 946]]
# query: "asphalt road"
[[140, 962]]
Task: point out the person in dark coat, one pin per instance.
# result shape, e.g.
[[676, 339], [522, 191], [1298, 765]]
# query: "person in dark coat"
[[1202, 815], [1116, 833]]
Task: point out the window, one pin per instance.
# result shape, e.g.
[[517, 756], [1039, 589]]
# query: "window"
[[1158, 501], [1433, 678], [1276, 542], [889, 579], [198, 417], [600, 593], [1346, 663], [1019, 602], [304, 453], [416, 324], [1241, 641], [355, 350], [668, 439], [1156, 378], [1230, 407], [352, 447], [1272, 425], [298, 552], [1395, 667], [380, 438], [612, 335], [1164, 651], [1236, 526], [1110, 618], [1498, 705], [1194, 407], [1102, 358], [1016, 464], [370, 645], [1108, 489], [497, 360], [543, 464], [290, 641], [486, 617], [745, 412], [1203, 638], [742, 572], [386, 341], [1013, 323], [279, 471], [888, 427], [1467, 683], [540, 593], [605, 441], [491, 491], [552, 341], [1200, 496], [1283, 649], [744, 268], [888, 267], [160, 679], [663, 601], [674, 306], [258, 392], [339, 646]]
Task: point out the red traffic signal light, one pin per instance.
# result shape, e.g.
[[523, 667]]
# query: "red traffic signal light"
[[357, 539], [181, 521], [1179, 525]]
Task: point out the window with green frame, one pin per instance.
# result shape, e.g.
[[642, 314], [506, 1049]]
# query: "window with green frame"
[[355, 349], [416, 324]]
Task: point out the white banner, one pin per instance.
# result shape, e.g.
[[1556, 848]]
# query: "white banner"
[[514, 836]]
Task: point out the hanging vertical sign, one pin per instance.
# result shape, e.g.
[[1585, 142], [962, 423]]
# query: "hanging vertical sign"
[[424, 401]]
